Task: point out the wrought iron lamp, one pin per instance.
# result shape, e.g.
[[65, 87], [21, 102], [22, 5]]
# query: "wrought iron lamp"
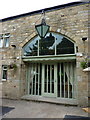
[[42, 29]]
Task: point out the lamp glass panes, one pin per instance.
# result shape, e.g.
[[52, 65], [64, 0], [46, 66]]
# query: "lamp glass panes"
[[42, 30]]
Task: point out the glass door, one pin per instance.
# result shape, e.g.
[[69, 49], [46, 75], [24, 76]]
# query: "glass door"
[[49, 80], [66, 80], [52, 79], [34, 79]]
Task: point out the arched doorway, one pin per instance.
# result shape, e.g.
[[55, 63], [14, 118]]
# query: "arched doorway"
[[51, 66]]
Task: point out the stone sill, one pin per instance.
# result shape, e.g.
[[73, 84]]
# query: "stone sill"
[[61, 101], [86, 69]]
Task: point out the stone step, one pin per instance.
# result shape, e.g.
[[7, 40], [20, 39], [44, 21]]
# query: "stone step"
[[63, 101]]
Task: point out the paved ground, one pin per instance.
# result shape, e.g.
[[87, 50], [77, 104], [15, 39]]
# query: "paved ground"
[[28, 109]]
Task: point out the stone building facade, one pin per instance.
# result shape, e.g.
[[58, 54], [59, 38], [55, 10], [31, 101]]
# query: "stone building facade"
[[69, 21]]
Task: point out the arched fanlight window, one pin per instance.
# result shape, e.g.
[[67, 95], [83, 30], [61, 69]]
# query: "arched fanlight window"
[[52, 44]]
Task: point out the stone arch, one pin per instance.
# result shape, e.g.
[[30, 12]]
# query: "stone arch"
[[59, 31], [65, 33], [28, 39]]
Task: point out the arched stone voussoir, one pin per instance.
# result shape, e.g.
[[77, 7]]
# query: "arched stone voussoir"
[[65, 33], [69, 35], [28, 39]]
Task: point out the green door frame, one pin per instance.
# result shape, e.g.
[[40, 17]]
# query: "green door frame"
[[55, 81], [48, 60]]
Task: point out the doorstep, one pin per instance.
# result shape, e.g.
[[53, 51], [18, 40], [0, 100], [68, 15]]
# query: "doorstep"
[[63, 101]]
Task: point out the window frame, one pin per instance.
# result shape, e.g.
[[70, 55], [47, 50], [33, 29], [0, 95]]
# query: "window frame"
[[4, 69], [1, 41], [38, 50], [6, 42], [3, 38]]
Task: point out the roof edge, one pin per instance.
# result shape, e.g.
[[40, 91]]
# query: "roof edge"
[[45, 9]]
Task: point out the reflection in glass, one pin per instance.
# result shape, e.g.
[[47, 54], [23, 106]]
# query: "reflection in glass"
[[1, 42], [6, 42], [52, 44], [65, 47], [4, 72], [65, 75], [52, 78], [45, 82], [49, 79], [31, 49], [46, 45], [35, 79]]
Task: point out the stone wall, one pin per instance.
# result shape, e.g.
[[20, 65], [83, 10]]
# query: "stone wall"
[[69, 21]]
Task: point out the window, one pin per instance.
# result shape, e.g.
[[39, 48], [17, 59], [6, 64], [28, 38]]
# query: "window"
[[52, 44], [4, 40], [4, 72], [1, 41]]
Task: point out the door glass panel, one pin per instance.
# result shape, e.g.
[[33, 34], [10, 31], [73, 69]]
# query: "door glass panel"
[[65, 80], [49, 79], [58, 80], [35, 79], [62, 82], [45, 80], [40, 76], [52, 79]]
